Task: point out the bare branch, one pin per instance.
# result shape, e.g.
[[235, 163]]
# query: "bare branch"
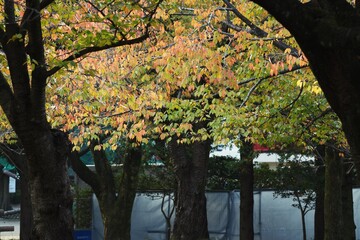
[[260, 80], [101, 12], [322, 114], [290, 105]]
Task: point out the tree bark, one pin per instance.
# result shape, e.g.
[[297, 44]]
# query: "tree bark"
[[15, 155], [347, 206], [26, 217], [319, 190], [119, 217], [191, 163], [247, 192], [49, 185], [333, 197], [4, 192], [115, 203], [303, 223]]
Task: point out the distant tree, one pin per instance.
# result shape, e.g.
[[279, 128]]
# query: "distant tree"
[[297, 179], [223, 173]]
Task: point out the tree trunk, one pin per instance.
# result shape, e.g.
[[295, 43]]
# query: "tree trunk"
[[333, 196], [191, 162], [4, 192], [319, 190], [16, 157], [347, 207], [26, 217], [115, 204], [303, 223], [49, 184], [246, 192], [118, 223]]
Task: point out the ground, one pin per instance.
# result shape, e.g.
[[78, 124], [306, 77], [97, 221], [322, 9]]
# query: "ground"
[[13, 220]]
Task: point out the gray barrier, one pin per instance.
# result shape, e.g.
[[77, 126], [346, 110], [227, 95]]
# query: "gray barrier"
[[274, 218]]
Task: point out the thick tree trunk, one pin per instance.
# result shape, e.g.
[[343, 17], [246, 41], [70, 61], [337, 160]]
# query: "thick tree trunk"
[[191, 163], [333, 197], [49, 185], [246, 193]]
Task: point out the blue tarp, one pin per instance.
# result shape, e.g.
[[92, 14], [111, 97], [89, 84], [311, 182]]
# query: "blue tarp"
[[6, 164]]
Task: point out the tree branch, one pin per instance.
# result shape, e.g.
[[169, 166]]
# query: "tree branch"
[[120, 43], [6, 97], [84, 172], [258, 31], [45, 3], [17, 158], [88, 50], [36, 51], [291, 14], [336, 6], [14, 49], [260, 80], [9, 9], [103, 169]]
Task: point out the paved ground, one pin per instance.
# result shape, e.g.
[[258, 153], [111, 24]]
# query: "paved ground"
[[10, 222]]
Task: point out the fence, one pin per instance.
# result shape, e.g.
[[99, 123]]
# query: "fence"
[[274, 218]]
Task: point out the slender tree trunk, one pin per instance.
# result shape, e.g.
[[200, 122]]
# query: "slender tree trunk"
[[303, 223], [191, 163], [319, 204], [333, 196], [246, 192]]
